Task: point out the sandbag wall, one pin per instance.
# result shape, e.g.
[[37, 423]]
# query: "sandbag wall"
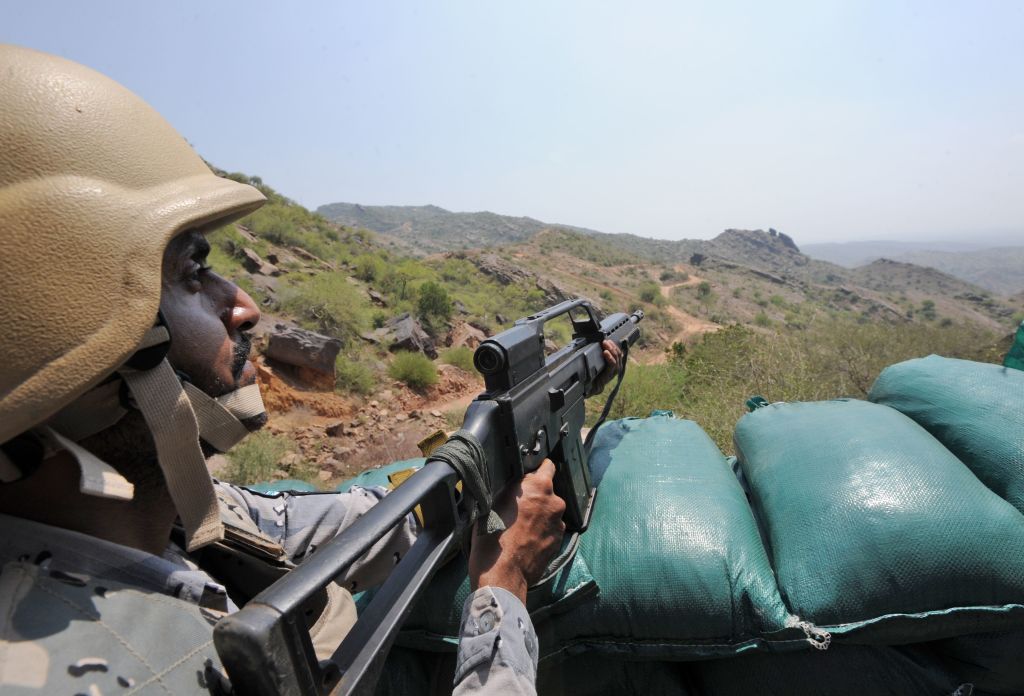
[[878, 547]]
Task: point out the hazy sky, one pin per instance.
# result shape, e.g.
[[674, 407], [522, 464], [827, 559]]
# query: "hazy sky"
[[830, 121]]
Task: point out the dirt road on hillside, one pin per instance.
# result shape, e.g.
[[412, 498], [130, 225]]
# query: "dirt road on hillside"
[[691, 327]]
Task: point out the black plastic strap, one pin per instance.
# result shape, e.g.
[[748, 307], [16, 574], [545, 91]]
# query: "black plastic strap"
[[588, 443]]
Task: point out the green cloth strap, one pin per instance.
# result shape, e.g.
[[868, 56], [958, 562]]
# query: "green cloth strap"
[[464, 453]]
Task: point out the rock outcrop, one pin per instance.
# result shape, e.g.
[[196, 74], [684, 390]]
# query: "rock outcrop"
[[403, 333], [310, 355]]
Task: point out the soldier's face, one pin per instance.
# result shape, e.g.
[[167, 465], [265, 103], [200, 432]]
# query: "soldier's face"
[[208, 317]]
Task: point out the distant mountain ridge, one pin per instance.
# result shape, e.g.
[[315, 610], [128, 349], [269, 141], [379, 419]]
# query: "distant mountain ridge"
[[426, 229], [998, 269], [429, 229]]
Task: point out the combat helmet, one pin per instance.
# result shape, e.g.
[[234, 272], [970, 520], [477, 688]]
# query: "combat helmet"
[[93, 185]]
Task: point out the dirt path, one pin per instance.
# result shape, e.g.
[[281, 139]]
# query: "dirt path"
[[666, 290], [691, 327]]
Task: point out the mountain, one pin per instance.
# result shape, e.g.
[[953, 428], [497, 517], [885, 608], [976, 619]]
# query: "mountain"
[[426, 229], [1000, 270], [996, 269], [893, 290], [853, 254]]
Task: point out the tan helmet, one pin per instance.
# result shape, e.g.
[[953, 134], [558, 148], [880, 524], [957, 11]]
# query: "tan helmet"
[[93, 185]]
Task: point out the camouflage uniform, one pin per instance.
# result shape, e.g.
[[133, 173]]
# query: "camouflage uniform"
[[85, 616]]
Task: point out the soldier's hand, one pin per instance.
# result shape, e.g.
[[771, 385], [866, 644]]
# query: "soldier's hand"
[[516, 558], [613, 364]]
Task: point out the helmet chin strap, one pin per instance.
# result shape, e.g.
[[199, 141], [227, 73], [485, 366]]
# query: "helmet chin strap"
[[177, 415], [172, 422]]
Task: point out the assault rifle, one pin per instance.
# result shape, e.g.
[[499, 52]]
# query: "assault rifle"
[[532, 409]]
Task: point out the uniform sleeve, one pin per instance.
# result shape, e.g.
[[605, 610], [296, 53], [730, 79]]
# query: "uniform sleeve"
[[301, 522], [497, 646]]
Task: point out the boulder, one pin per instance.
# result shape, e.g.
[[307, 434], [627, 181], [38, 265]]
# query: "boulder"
[[376, 297], [252, 262], [303, 349], [405, 333], [553, 292], [500, 269], [465, 335]]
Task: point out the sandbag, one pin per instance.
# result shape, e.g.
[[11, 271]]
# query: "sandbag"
[[843, 670], [990, 661], [975, 409], [594, 674], [675, 552], [877, 533]]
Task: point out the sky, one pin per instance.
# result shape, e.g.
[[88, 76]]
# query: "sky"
[[828, 120]]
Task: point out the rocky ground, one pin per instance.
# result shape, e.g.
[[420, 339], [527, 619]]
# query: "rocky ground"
[[339, 436]]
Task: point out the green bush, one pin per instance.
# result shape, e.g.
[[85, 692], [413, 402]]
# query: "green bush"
[[651, 293], [255, 458], [353, 376], [368, 267], [928, 310], [330, 304], [644, 389], [461, 357], [434, 302], [414, 369], [703, 289]]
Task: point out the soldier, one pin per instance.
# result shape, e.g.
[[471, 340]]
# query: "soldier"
[[125, 362]]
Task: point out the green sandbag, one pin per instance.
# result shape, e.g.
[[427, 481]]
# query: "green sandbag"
[[990, 661], [674, 549], [1015, 358], [591, 674], [877, 532], [975, 409], [842, 670]]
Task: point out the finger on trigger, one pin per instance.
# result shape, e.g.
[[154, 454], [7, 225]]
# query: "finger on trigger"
[[546, 469]]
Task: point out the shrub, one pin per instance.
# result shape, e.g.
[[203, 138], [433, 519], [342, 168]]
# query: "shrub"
[[353, 376], [414, 369], [644, 389], [368, 267], [461, 357], [330, 304], [255, 458], [703, 289], [928, 310], [762, 319], [651, 293], [434, 302]]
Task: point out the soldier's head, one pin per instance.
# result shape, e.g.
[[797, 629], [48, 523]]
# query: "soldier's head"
[[108, 307]]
